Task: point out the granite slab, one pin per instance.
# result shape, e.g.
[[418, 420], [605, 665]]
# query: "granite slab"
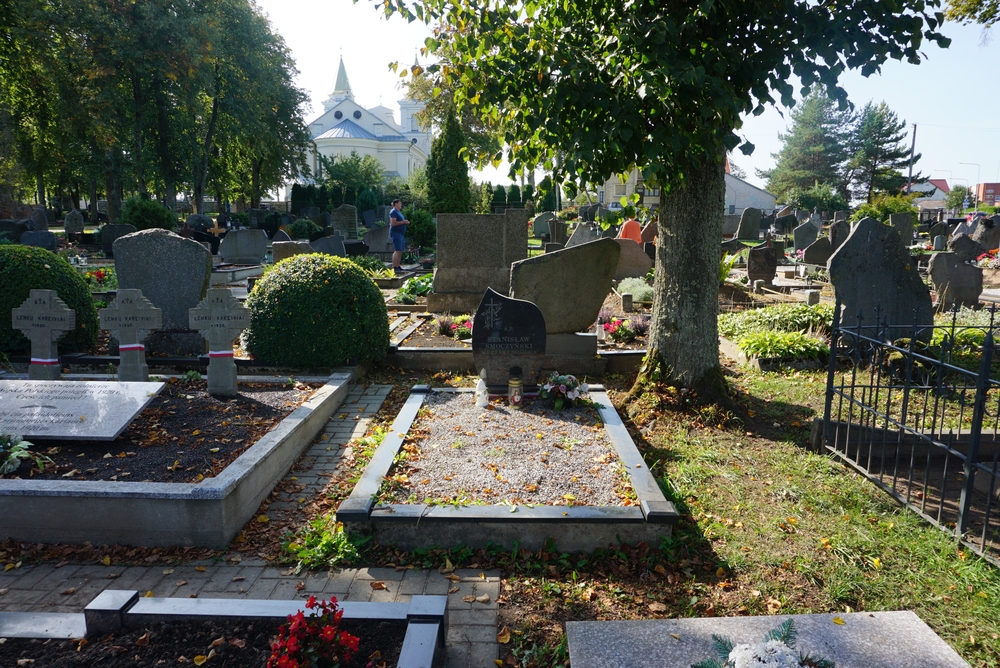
[[60, 625], [865, 640], [70, 409]]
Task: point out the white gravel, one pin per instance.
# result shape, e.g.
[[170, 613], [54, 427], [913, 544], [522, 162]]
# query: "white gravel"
[[458, 453]]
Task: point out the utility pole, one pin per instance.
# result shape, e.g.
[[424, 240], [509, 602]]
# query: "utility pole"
[[913, 145]]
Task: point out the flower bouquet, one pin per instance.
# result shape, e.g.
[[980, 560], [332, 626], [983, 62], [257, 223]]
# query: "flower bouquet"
[[777, 650], [562, 389], [313, 640]]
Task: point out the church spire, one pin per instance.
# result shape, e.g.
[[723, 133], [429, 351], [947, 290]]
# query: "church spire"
[[341, 89]]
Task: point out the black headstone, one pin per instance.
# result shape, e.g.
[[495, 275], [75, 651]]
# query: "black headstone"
[[12, 230], [211, 239], [369, 217], [110, 232], [355, 247], [505, 333], [44, 239]]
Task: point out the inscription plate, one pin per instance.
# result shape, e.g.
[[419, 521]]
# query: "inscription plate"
[[70, 409]]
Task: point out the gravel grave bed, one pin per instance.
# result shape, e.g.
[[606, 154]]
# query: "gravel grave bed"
[[457, 453], [232, 644], [184, 435]]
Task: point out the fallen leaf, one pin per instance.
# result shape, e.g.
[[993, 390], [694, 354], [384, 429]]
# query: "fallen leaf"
[[720, 572], [504, 636], [238, 578], [4, 591], [375, 655], [498, 662], [657, 607], [142, 640], [25, 662], [675, 636], [447, 568], [377, 584], [485, 598], [838, 620], [68, 592], [213, 450], [71, 473], [106, 561], [180, 583], [200, 569], [218, 641], [238, 642], [262, 519], [80, 642], [569, 497], [660, 569], [453, 590], [148, 594], [168, 571], [200, 659], [300, 585], [453, 577], [469, 599]]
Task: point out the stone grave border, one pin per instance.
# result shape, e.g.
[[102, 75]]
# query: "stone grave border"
[[227, 274], [576, 528], [161, 514], [112, 610]]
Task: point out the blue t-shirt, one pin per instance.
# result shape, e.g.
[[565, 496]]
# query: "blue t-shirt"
[[398, 229]]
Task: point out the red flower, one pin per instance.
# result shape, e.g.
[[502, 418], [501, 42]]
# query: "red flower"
[[328, 633]]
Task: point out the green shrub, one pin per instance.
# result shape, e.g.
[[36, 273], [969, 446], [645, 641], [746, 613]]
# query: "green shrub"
[[415, 287], [726, 265], [302, 228], [146, 214], [23, 268], [316, 310], [372, 264], [243, 218], [883, 205], [780, 317], [422, 231], [638, 288], [784, 345]]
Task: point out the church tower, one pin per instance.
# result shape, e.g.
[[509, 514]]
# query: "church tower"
[[341, 89], [408, 110]]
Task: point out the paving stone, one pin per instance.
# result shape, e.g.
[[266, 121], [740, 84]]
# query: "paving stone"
[[379, 574], [262, 588], [414, 582], [457, 655], [127, 578], [473, 617], [286, 590], [360, 591], [484, 654], [339, 582], [437, 585], [472, 634], [19, 599]]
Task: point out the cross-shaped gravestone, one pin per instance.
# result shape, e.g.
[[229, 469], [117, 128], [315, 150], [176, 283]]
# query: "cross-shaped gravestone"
[[220, 318], [44, 319], [132, 317], [216, 230]]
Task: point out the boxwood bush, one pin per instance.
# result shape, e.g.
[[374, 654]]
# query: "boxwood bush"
[[146, 214], [316, 310], [23, 268]]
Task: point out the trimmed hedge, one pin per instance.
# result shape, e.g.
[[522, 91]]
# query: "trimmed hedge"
[[147, 214], [316, 310], [24, 268]]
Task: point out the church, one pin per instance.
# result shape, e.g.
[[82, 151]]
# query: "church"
[[346, 126]]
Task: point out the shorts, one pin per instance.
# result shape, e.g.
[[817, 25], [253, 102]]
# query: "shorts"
[[398, 242]]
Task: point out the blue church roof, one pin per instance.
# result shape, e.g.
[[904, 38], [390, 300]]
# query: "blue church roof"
[[348, 129]]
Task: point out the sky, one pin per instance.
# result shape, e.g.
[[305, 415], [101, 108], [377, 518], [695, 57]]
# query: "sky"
[[950, 96]]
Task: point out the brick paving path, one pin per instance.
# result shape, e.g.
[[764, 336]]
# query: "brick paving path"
[[471, 640]]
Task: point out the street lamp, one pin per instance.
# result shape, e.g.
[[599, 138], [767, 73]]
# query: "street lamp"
[[978, 172]]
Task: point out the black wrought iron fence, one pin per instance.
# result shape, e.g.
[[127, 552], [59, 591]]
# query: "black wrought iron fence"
[[916, 410]]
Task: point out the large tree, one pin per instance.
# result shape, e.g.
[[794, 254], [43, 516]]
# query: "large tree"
[[814, 150], [880, 152], [984, 12], [448, 172], [606, 86]]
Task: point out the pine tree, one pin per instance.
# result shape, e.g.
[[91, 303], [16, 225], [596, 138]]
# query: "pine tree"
[[880, 152], [815, 149], [447, 172], [514, 195]]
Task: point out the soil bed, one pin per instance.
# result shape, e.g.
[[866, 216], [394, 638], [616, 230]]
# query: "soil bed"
[[184, 435], [427, 336], [243, 645], [458, 453]]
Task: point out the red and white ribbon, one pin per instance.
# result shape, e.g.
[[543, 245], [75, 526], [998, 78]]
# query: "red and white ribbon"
[[44, 360], [221, 353], [131, 346]]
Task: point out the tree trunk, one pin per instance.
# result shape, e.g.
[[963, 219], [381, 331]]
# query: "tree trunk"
[[163, 135], [40, 185], [113, 180], [92, 204], [684, 340], [255, 194], [202, 168], [137, 131]]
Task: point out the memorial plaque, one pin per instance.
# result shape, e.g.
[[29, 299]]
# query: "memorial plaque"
[[43, 318], [131, 317], [508, 333], [70, 409], [220, 318]]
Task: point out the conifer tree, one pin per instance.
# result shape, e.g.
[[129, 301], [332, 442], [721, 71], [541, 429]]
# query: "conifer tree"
[[447, 171]]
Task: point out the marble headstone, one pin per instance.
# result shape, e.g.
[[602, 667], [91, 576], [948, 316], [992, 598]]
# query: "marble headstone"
[[508, 333]]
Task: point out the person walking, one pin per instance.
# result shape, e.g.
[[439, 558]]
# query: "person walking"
[[397, 232]]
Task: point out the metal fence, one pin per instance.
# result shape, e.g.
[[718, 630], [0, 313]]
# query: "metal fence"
[[916, 410]]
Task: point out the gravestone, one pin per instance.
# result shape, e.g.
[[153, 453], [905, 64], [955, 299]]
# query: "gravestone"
[[804, 235], [355, 247], [282, 250], [873, 269], [784, 211], [802, 215], [540, 224], [174, 274], [988, 233], [964, 227], [40, 220], [280, 235], [322, 219], [584, 232], [198, 221], [130, 318], [508, 333], [475, 252], [71, 410], [938, 230], [345, 219], [940, 242], [955, 282], [73, 223], [903, 222], [44, 239], [762, 263], [558, 231], [569, 286], [43, 318], [818, 252], [330, 245], [649, 233], [633, 261], [785, 224], [308, 211], [110, 233], [733, 246], [552, 248], [11, 230], [378, 240], [730, 223], [220, 318], [588, 212], [838, 232], [244, 247], [211, 242], [749, 227], [839, 216], [369, 217], [965, 249], [223, 220], [257, 217], [286, 219]]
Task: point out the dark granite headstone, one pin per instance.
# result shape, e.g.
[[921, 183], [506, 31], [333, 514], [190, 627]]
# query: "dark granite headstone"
[[109, 233], [369, 217], [199, 221], [818, 252], [507, 333], [838, 232], [12, 230], [987, 233], [308, 211], [965, 249], [280, 235], [955, 282], [210, 239], [804, 235], [749, 227], [44, 239], [355, 247], [785, 224], [287, 219], [73, 222], [939, 230], [733, 246], [330, 245], [40, 219], [762, 263]]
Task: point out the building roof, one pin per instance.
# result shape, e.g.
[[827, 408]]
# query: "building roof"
[[941, 184], [348, 129], [342, 85]]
